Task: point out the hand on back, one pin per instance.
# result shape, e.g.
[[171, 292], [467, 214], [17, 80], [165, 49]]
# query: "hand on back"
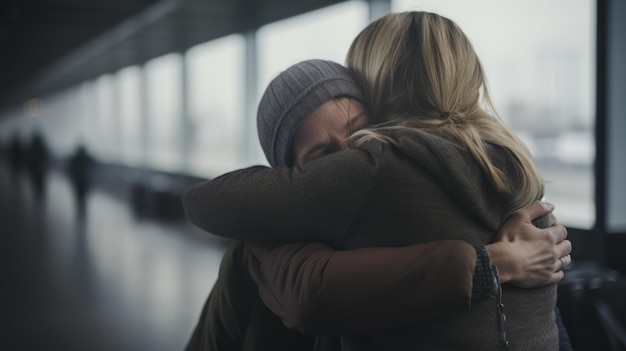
[[528, 256]]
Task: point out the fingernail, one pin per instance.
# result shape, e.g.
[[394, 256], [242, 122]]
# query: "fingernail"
[[548, 205]]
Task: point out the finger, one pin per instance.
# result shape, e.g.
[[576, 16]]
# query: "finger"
[[564, 248], [559, 264], [535, 210], [563, 262], [547, 205], [567, 260], [559, 232], [556, 277], [552, 221]]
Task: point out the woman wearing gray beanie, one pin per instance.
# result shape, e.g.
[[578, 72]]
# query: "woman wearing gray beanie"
[[349, 301]]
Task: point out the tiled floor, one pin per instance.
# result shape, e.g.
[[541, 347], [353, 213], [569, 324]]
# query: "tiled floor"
[[111, 283]]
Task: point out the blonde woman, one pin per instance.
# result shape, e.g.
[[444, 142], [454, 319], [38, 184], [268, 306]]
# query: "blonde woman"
[[441, 165], [423, 79]]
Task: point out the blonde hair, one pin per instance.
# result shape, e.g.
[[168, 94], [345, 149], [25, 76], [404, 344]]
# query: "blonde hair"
[[419, 70]]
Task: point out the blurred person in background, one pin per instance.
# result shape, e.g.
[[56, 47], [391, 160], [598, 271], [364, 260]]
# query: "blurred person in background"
[[80, 170]]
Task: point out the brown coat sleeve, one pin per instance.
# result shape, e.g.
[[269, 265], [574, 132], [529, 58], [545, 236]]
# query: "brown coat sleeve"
[[318, 201], [320, 291]]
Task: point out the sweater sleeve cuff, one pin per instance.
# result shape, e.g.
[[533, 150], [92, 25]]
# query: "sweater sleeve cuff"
[[485, 284]]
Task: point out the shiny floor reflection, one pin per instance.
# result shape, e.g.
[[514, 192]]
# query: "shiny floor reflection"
[[111, 282]]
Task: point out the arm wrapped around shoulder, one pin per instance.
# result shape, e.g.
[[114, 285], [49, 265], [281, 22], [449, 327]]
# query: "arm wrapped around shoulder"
[[315, 202], [214, 205]]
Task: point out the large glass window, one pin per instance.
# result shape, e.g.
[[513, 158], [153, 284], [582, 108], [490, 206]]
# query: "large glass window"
[[84, 108], [164, 91], [129, 85], [324, 34], [104, 124], [215, 132], [59, 121], [539, 60]]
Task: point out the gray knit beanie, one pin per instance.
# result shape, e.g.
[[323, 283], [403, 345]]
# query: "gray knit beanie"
[[291, 96]]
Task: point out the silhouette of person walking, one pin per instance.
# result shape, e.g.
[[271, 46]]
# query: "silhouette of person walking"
[[80, 170]]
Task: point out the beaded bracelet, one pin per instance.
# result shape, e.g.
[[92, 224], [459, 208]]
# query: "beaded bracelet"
[[485, 286]]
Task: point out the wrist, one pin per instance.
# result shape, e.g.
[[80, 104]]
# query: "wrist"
[[500, 256], [485, 281]]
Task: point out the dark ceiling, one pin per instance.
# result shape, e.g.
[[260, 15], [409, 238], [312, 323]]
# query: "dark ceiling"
[[46, 45]]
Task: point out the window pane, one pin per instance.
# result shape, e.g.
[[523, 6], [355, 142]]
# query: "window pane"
[[539, 60], [129, 85], [60, 121], [216, 106], [84, 110], [104, 124], [322, 34], [164, 112]]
